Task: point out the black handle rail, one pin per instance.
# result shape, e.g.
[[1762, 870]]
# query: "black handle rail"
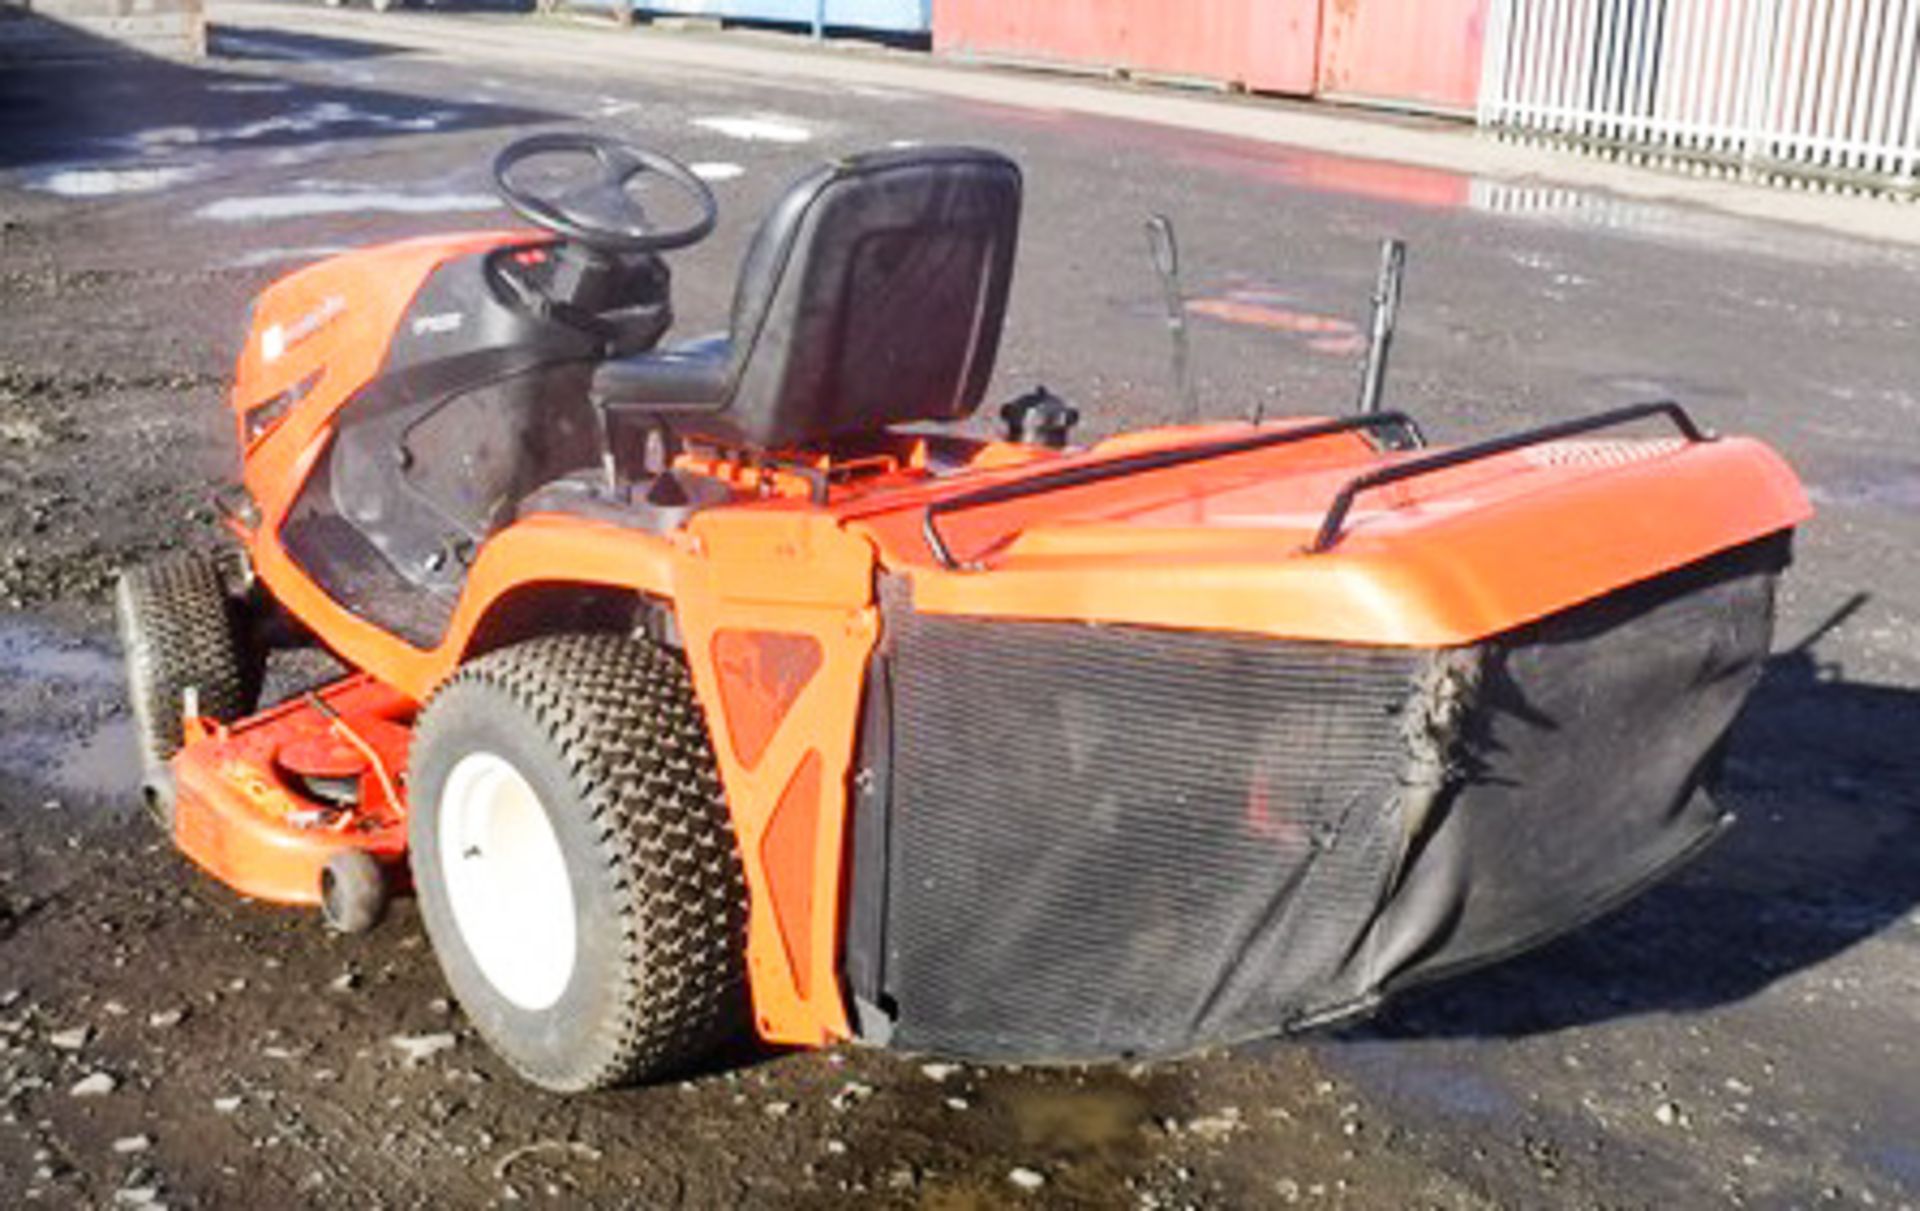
[[1336, 518], [1401, 429]]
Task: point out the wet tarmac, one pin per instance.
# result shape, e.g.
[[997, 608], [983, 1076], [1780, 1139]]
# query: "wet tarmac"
[[1741, 1036], [76, 746]]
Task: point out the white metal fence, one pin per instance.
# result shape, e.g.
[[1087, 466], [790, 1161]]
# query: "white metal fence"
[[1826, 88]]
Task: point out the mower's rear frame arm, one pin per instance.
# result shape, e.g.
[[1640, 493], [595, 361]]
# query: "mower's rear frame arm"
[[1408, 436], [1336, 518]]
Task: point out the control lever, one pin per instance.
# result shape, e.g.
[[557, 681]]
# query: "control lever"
[[1166, 262]]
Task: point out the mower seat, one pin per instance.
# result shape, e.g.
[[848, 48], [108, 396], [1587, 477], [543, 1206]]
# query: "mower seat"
[[873, 295]]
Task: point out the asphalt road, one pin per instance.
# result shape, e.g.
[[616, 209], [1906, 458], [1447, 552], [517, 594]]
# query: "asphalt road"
[[1743, 1035]]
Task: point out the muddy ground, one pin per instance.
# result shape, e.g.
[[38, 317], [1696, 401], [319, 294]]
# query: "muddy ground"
[[1744, 1035]]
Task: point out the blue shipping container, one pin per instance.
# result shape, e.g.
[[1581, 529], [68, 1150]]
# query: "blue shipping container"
[[891, 16]]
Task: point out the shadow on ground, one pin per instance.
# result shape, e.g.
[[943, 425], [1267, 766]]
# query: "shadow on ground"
[[116, 107], [1820, 776], [285, 46]]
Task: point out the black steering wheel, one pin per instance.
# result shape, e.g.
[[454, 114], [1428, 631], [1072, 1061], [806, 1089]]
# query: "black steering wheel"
[[604, 215]]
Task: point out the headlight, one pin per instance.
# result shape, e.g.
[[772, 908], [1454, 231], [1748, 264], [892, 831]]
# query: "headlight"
[[263, 417]]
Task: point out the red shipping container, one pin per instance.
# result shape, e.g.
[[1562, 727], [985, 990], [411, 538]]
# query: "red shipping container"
[[1420, 53], [1267, 45]]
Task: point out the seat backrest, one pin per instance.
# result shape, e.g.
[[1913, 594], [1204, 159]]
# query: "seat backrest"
[[873, 295]]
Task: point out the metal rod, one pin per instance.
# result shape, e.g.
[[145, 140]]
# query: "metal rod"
[[1386, 316], [1406, 433], [1166, 262], [819, 19], [603, 429], [1393, 473], [345, 731]]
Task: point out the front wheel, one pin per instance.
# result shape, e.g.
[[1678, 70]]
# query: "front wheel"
[[181, 633], [574, 861]]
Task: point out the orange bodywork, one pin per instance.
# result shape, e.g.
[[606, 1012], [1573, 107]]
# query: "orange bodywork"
[[1439, 562], [240, 816], [775, 594], [305, 337], [776, 610]]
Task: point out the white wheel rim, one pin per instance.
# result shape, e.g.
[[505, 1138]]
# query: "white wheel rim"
[[506, 881]]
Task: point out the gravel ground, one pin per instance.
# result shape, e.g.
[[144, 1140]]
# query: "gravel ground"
[[1743, 1035]]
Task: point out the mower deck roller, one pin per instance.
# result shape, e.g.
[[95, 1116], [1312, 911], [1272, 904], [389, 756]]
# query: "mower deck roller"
[[715, 676]]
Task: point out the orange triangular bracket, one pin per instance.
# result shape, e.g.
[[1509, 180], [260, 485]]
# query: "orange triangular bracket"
[[761, 673], [786, 854]]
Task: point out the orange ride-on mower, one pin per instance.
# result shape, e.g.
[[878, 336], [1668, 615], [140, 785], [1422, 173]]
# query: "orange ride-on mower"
[[688, 678]]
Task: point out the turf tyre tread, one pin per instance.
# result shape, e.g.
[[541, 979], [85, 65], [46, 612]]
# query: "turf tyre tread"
[[178, 629], [623, 719]]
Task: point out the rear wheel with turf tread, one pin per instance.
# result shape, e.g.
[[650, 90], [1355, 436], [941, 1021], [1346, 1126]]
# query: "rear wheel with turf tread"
[[575, 863], [179, 630]]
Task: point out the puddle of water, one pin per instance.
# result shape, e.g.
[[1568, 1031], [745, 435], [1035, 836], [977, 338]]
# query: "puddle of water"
[[306, 120], [101, 182], [63, 730], [872, 92], [1672, 223], [1440, 189], [311, 203], [1889, 487], [228, 44], [334, 113], [1407, 184], [761, 128], [249, 86], [103, 767], [1402, 1073], [717, 170], [1074, 1121], [1900, 1160], [33, 650]]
